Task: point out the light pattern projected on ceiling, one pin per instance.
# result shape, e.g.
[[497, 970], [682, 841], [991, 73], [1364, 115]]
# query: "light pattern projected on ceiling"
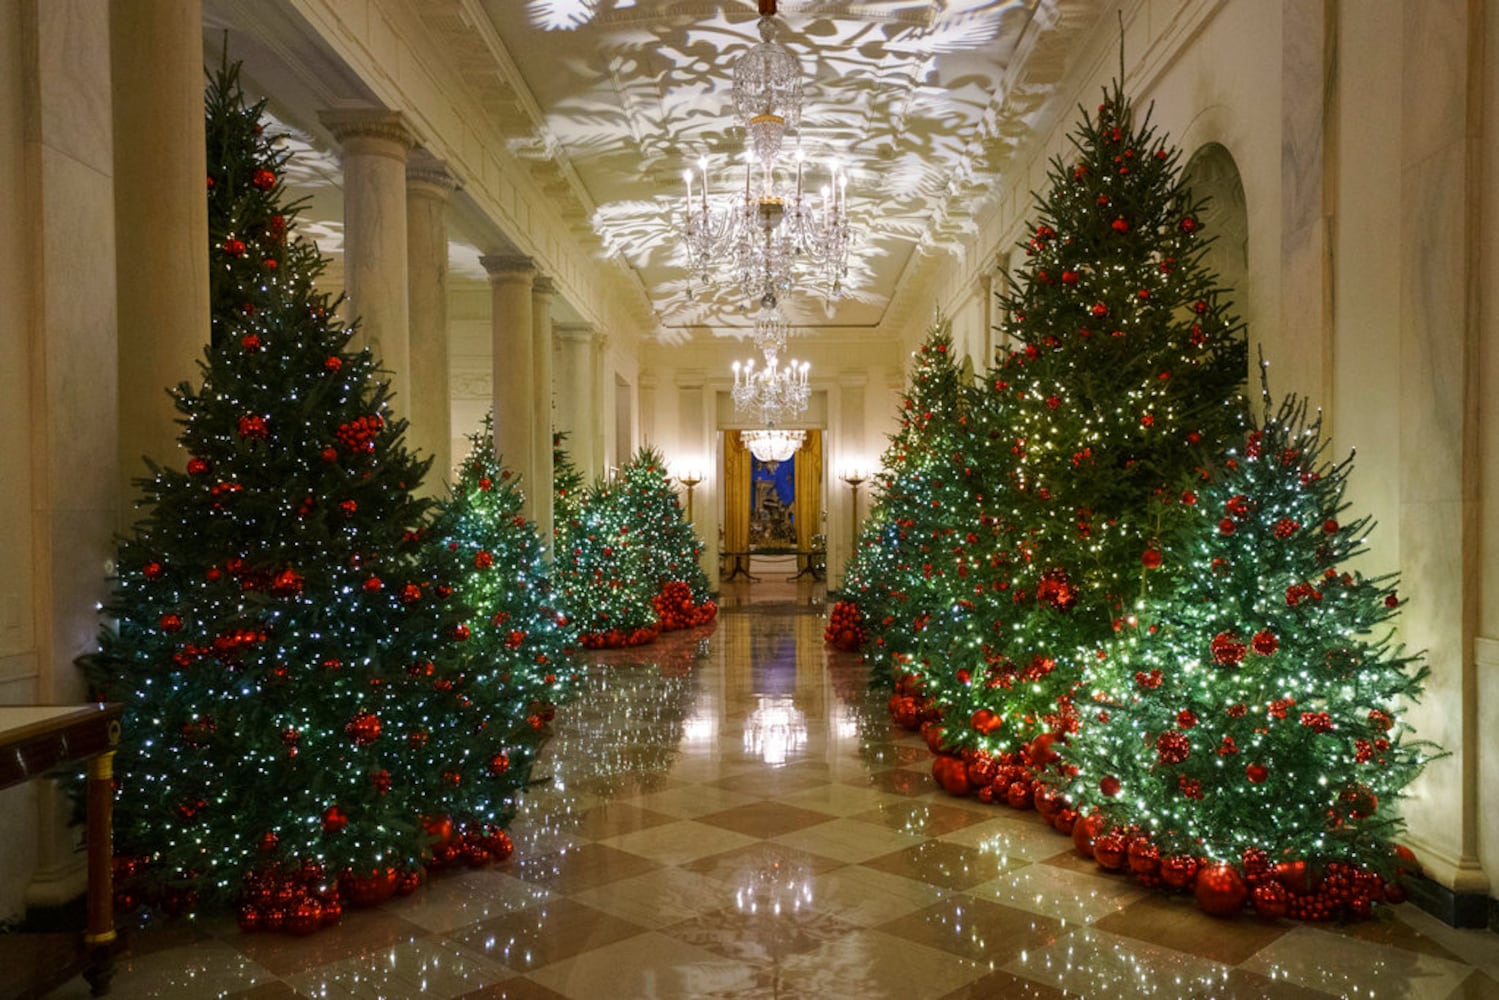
[[923, 103]]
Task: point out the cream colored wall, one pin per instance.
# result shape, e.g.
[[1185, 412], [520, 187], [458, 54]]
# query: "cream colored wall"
[[1358, 127]]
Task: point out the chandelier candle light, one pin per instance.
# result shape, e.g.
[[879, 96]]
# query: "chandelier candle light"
[[764, 235]]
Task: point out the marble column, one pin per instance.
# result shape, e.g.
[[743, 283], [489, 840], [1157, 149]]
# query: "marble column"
[[62, 454], [577, 396], [602, 424], [374, 145], [510, 280], [156, 71], [428, 187], [542, 291]]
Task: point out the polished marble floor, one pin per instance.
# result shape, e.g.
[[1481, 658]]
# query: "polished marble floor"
[[730, 815]]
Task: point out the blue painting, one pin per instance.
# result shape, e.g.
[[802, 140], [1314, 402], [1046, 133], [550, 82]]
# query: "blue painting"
[[772, 504]]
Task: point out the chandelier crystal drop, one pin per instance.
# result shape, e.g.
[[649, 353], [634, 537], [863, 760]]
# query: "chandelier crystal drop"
[[771, 232]]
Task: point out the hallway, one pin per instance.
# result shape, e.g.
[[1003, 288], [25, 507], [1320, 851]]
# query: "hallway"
[[733, 816]]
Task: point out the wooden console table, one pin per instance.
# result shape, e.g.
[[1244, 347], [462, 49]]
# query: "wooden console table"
[[37, 739]]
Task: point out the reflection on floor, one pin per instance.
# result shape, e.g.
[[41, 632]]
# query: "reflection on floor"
[[735, 817]]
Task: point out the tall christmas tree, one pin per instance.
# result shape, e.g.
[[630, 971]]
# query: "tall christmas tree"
[[1125, 379], [1254, 717], [269, 604], [667, 544], [568, 484], [495, 692], [910, 561], [601, 573]]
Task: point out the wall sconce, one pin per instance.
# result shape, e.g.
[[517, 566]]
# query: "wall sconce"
[[691, 478], [854, 477]]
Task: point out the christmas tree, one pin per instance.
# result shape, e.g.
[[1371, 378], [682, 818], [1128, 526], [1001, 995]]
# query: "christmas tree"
[[601, 572], [666, 543], [913, 558], [568, 485], [499, 687], [269, 605], [1254, 715], [1125, 379]]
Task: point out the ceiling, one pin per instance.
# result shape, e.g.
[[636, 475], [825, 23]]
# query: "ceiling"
[[923, 102]]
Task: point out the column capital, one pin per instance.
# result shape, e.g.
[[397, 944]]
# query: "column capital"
[[574, 333], [543, 284], [429, 176], [369, 130], [508, 267]]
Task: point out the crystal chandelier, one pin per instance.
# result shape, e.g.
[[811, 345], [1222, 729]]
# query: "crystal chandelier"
[[772, 393], [771, 231], [772, 444]]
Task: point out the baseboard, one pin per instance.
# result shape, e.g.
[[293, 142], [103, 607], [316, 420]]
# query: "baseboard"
[[57, 918], [1456, 909]]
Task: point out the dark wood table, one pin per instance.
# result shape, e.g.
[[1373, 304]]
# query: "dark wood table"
[[36, 740]]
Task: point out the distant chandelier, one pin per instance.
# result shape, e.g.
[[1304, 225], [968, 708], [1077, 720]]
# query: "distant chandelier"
[[772, 394], [772, 444], [764, 235]]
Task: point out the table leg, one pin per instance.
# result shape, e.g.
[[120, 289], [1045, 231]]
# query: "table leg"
[[99, 936]]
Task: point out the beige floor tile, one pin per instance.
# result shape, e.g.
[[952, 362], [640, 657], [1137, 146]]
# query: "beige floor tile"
[[693, 800], [839, 799], [1176, 921], [1010, 836], [951, 866], [203, 968], [658, 898], [426, 967], [445, 904], [680, 842], [765, 819], [922, 817], [1093, 963], [986, 933], [868, 898], [555, 930], [1076, 897], [653, 966], [359, 934], [869, 965], [581, 868], [1337, 964], [848, 839]]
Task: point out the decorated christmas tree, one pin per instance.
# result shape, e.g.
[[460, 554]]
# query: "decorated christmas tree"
[[269, 607], [568, 484], [1125, 379], [601, 572], [495, 692], [920, 502], [1253, 718], [666, 543]]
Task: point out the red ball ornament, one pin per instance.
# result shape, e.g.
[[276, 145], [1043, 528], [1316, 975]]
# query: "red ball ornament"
[[234, 247], [1144, 857], [1120, 225], [1151, 558], [1109, 850], [171, 623], [1085, 832], [1264, 642], [1257, 774], [1227, 649], [373, 585], [1226, 526], [461, 632], [363, 728], [334, 819], [985, 721], [483, 560], [333, 363], [263, 179], [1295, 877], [1392, 601], [305, 917], [1271, 900], [1179, 870], [1330, 527], [1189, 225], [198, 466], [330, 455], [269, 841], [151, 571], [1109, 785], [499, 764], [1220, 890], [250, 342]]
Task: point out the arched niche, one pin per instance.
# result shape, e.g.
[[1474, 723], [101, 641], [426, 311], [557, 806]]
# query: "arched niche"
[[1212, 174]]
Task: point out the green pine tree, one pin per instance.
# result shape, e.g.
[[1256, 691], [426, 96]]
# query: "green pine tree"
[[1126, 378], [601, 573], [1255, 712], [269, 605], [667, 545], [495, 692]]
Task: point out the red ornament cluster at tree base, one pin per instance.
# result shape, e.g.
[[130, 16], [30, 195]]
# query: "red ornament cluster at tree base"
[[845, 631], [676, 610], [290, 898]]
